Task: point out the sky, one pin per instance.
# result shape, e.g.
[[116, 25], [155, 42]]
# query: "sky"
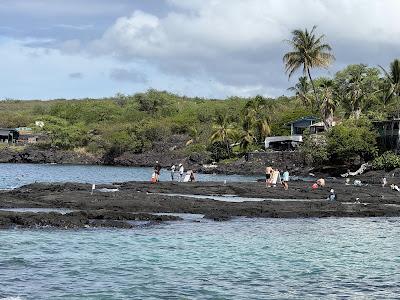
[[207, 48]]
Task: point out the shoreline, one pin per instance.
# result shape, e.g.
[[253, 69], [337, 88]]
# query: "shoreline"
[[118, 208]]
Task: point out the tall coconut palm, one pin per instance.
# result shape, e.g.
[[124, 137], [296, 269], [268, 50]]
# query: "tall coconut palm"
[[222, 131], [393, 80], [308, 51]]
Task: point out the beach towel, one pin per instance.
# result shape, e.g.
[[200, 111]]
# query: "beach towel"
[[275, 177]]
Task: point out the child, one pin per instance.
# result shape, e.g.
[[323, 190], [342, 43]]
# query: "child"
[[285, 179], [332, 196], [181, 171], [173, 172]]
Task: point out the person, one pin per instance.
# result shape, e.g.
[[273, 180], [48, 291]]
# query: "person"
[[157, 171], [192, 179], [181, 171], [268, 176], [275, 177], [285, 179], [321, 182], [173, 172], [332, 196], [384, 181]]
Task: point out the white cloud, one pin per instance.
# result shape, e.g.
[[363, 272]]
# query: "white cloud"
[[44, 73], [212, 48], [239, 43]]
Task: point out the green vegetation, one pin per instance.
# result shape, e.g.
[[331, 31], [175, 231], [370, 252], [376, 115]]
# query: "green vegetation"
[[387, 161], [227, 128], [308, 52]]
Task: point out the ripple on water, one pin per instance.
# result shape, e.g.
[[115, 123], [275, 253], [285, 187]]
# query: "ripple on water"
[[243, 258]]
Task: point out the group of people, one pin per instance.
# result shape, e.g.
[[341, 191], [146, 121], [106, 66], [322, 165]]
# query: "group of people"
[[183, 176], [273, 176]]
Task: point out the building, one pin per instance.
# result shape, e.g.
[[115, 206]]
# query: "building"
[[283, 143], [388, 135], [320, 127], [8, 135], [297, 127], [291, 142]]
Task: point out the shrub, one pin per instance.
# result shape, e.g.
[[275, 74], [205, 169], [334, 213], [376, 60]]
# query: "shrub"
[[218, 151], [387, 161], [314, 148], [352, 139]]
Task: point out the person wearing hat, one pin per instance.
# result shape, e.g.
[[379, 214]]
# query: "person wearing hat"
[[332, 196], [181, 171], [173, 172]]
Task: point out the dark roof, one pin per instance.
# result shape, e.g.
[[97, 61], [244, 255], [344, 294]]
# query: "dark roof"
[[303, 122], [8, 129], [5, 132], [308, 118]]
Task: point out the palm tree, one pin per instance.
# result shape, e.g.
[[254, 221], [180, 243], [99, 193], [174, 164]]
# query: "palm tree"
[[393, 80], [302, 89], [329, 101], [356, 85], [222, 131], [255, 118], [309, 51], [247, 137]]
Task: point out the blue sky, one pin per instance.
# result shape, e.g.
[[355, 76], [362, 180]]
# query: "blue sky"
[[208, 48]]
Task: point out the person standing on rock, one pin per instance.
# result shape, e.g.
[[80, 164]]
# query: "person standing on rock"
[[181, 172], [173, 168], [285, 179], [157, 171], [332, 195], [268, 176]]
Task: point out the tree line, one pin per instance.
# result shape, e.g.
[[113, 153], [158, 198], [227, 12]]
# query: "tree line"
[[357, 95]]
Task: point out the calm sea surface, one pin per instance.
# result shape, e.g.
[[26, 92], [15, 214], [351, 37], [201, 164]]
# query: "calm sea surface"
[[329, 258], [240, 259], [14, 175]]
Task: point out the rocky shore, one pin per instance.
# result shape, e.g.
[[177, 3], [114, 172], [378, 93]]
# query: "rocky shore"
[[168, 156], [140, 201]]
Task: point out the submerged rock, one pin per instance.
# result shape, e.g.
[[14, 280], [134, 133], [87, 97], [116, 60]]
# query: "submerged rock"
[[79, 219]]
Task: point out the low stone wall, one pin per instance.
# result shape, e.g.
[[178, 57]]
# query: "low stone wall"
[[280, 159]]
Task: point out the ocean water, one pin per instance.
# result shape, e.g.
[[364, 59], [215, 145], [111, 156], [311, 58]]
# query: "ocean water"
[[329, 258], [15, 175]]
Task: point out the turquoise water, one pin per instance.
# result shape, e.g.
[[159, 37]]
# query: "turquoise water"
[[14, 175], [240, 259]]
